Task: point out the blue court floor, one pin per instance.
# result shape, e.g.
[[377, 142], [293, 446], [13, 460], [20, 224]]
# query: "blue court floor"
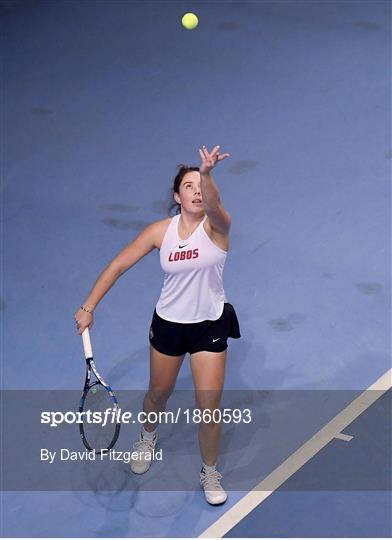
[[101, 101], [316, 501]]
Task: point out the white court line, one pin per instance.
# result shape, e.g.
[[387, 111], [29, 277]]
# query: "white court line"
[[343, 437], [292, 464]]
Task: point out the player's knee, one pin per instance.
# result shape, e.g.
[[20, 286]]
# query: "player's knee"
[[159, 395], [211, 412], [207, 402]]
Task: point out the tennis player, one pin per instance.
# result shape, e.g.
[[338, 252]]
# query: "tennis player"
[[192, 314]]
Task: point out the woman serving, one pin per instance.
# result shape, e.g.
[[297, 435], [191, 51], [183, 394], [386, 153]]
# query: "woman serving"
[[192, 314]]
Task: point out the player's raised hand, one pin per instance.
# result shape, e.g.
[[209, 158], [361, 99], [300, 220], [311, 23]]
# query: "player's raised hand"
[[209, 160]]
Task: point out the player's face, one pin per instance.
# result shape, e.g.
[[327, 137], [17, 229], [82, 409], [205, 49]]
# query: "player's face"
[[190, 193]]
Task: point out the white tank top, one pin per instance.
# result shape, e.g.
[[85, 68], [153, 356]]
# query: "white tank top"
[[193, 288]]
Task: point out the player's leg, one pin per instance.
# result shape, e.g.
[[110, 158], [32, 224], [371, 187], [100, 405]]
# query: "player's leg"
[[166, 357], [164, 370], [167, 353], [208, 370]]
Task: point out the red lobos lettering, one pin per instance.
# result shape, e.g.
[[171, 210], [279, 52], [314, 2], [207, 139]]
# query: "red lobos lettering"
[[183, 255]]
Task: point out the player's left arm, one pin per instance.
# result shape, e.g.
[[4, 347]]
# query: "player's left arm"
[[218, 216]]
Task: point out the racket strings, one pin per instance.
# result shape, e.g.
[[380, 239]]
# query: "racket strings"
[[101, 430]]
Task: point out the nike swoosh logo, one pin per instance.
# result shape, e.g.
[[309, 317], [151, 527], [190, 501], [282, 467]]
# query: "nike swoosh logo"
[[183, 245], [213, 341]]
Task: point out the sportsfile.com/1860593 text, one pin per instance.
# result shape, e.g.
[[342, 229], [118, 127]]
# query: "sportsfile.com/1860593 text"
[[116, 415]]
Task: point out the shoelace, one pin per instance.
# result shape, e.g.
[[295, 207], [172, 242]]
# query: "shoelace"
[[144, 445], [211, 480]]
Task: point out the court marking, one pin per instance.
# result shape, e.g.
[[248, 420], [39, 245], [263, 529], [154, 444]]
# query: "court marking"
[[343, 437], [298, 459]]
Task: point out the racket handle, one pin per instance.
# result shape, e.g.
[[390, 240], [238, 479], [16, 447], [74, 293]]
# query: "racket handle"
[[88, 352]]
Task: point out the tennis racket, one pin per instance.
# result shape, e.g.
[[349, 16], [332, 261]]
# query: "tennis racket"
[[97, 397]]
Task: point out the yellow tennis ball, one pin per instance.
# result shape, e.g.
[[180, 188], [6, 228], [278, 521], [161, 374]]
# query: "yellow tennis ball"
[[190, 21]]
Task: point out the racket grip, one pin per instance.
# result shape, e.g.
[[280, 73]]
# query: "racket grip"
[[88, 352]]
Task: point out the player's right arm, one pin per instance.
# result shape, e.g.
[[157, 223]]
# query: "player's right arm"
[[145, 242]]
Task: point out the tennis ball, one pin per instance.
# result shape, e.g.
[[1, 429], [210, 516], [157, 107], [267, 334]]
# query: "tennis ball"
[[190, 21]]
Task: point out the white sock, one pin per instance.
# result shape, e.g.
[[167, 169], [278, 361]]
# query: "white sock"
[[209, 468], [148, 434]]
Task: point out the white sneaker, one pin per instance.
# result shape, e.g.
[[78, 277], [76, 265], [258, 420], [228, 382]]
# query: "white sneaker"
[[213, 491], [145, 449]]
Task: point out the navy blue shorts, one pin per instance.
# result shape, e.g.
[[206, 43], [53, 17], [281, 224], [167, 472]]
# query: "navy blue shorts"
[[177, 339]]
